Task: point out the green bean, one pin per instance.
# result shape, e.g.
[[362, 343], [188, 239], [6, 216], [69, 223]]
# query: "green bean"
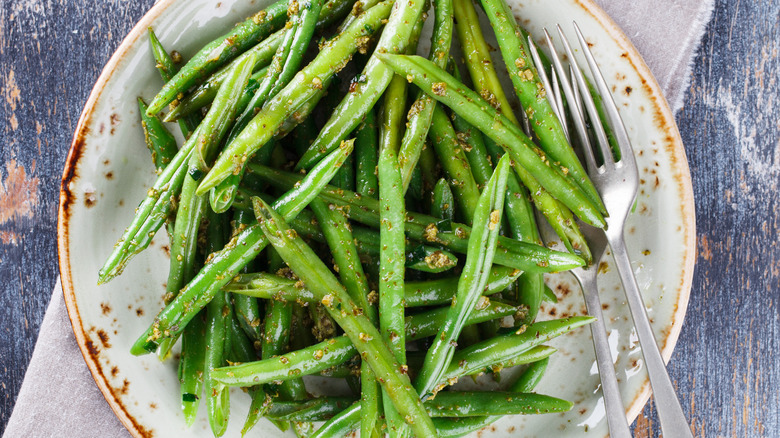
[[425, 258], [532, 355], [447, 404], [163, 148], [530, 91], [288, 57], [222, 196], [462, 426], [225, 264], [337, 232], [315, 409], [531, 376], [476, 404], [375, 78], [443, 202], [423, 228], [151, 213], [416, 293], [357, 8], [306, 84], [277, 329], [506, 346], [446, 89], [191, 367], [440, 291], [519, 211], [345, 179], [454, 163], [242, 348], [259, 407], [218, 315], [167, 67], [247, 308], [430, 170], [370, 403], [348, 419], [335, 351], [183, 245], [158, 139], [421, 113], [204, 95], [418, 327], [164, 61], [392, 219], [367, 152], [332, 12], [472, 142], [220, 51], [548, 295], [321, 281], [191, 206], [479, 259], [341, 424], [391, 231], [305, 133]]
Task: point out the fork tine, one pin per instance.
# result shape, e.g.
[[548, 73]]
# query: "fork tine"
[[616, 122], [576, 110], [578, 114], [543, 77], [590, 105], [559, 101]]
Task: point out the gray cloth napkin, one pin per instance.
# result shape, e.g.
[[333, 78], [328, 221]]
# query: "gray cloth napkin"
[[63, 400]]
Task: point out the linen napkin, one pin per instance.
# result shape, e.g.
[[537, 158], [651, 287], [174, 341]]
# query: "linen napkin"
[[63, 400]]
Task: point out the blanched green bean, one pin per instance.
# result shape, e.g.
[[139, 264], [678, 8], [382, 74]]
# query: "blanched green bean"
[[367, 338], [446, 89], [224, 265], [482, 247], [306, 84], [423, 228], [220, 51]]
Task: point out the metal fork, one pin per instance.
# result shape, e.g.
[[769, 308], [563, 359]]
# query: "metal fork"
[[586, 275], [617, 180]]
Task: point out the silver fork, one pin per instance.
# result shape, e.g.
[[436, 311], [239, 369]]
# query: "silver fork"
[[617, 180], [587, 277]]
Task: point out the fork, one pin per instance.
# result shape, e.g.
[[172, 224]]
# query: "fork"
[[587, 276], [617, 180]]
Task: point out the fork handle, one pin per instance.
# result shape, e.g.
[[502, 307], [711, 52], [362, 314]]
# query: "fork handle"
[[613, 402], [670, 413]]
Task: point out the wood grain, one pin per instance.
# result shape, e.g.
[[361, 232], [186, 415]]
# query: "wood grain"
[[51, 52], [726, 365], [727, 362]]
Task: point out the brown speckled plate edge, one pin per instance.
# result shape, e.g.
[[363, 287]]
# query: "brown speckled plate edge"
[[67, 199], [665, 120], [664, 117]]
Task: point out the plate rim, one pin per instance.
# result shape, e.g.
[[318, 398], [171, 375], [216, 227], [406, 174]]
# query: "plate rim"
[[664, 116]]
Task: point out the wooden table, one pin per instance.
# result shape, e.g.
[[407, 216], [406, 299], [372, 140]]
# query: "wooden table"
[[727, 362]]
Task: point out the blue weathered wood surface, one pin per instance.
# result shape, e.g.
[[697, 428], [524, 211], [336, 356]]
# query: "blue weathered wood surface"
[[727, 362]]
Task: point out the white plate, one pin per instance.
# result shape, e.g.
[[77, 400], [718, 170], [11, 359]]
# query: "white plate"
[[108, 172]]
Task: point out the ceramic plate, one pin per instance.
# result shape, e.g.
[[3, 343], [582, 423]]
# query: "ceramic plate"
[[108, 172]]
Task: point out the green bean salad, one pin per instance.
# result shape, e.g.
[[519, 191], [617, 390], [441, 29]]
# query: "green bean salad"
[[342, 207]]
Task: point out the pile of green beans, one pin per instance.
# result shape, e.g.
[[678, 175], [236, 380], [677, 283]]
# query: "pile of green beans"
[[391, 243]]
